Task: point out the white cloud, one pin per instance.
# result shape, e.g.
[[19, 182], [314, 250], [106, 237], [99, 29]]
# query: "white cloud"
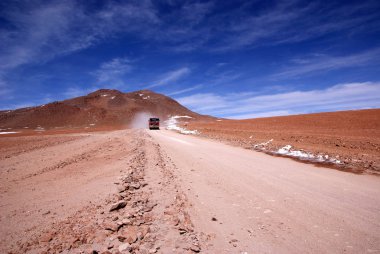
[[204, 102], [41, 32], [262, 114], [5, 90], [20, 105], [5, 93], [72, 92], [171, 77], [338, 97], [184, 90], [3, 83], [327, 63], [283, 21], [111, 73]]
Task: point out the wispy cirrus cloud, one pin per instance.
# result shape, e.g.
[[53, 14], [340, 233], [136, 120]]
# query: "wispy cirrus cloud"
[[186, 90], [41, 31], [5, 90], [76, 91], [29, 102], [35, 32], [338, 97], [282, 22], [319, 63], [111, 73], [171, 76]]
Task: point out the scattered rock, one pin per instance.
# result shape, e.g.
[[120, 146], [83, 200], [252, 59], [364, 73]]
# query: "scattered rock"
[[118, 205], [129, 230], [195, 248], [111, 226], [233, 242], [126, 221], [121, 188], [175, 221], [96, 248], [125, 247], [46, 237], [143, 230], [182, 231], [153, 250], [128, 235], [136, 185]]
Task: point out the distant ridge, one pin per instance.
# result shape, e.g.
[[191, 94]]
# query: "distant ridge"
[[103, 107]]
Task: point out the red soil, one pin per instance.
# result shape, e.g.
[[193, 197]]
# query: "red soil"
[[351, 136]]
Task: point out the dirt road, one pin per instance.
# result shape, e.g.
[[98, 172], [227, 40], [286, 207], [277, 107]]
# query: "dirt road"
[[139, 191], [352, 137], [264, 204]]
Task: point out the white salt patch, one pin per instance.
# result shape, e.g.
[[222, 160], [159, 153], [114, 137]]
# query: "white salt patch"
[[39, 128], [104, 95], [219, 120], [147, 97], [171, 124], [92, 124], [288, 151], [141, 94], [8, 132], [263, 144], [113, 97], [176, 117]]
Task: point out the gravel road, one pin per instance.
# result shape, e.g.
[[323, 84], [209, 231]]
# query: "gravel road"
[[140, 191]]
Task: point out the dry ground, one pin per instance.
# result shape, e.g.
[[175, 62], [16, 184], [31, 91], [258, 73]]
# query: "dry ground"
[[57, 190], [171, 193], [353, 137]]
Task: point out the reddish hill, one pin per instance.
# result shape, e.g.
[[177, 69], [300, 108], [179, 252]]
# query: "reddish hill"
[[104, 107]]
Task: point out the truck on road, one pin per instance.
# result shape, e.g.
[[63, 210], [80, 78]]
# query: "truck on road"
[[154, 123]]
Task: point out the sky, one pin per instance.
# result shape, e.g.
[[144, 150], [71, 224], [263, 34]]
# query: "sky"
[[234, 59]]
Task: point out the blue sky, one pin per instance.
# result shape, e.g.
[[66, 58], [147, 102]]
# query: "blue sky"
[[237, 59]]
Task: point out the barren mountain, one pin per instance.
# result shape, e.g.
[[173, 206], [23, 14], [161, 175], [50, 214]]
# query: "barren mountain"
[[104, 107]]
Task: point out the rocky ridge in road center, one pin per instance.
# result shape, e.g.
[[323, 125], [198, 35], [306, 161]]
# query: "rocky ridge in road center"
[[133, 220]]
